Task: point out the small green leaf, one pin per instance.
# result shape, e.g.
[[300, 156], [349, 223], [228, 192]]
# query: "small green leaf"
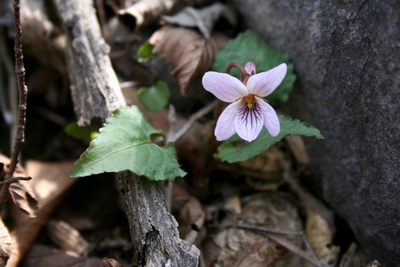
[[230, 153], [80, 133], [124, 144], [145, 52], [154, 98], [248, 46]]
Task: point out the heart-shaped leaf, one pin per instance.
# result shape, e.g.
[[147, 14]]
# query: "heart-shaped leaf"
[[154, 98], [248, 46], [124, 143], [227, 151]]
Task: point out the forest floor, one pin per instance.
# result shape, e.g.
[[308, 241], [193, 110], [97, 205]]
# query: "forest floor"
[[266, 211]]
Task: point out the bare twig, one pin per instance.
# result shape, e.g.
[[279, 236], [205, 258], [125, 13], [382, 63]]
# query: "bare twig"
[[15, 179], [23, 92], [172, 137]]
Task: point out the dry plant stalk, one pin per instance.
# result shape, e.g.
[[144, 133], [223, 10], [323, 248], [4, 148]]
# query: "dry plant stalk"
[[23, 93]]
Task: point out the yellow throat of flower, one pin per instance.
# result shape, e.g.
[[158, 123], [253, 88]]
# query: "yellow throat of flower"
[[249, 100]]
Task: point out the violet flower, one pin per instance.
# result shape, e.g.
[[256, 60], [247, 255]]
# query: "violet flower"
[[248, 111]]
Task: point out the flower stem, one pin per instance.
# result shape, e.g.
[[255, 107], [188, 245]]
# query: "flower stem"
[[244, 76]]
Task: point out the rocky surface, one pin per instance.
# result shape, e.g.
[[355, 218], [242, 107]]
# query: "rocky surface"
[[347, 56]]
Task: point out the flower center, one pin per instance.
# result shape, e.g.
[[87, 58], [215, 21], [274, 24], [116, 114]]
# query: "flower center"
[[249, 100]]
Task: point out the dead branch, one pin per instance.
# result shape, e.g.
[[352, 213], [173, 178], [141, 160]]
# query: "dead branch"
[[153, 229], [94, 85]]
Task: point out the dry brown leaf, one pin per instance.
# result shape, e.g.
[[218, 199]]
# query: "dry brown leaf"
[[50, 181], [66, 237], [241, 247], [5, 242], [146, 11], [298, 148], [374, 263], [108, 262], [21, 191], [23, 197], [204, 19], [263, 172], [191, 220], [210, 251], [188, 51], [319, 237], [40, 255], [353, 257]]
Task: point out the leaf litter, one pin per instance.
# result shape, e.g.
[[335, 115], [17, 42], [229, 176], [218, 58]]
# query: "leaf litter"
[[236, 224]]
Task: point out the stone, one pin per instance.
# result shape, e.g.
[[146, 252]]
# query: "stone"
[[347, 58]]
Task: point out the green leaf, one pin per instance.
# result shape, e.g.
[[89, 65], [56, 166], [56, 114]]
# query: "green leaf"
[[227, 151], [248, 46], [80, 133], [154, 98], [145, 52], [124, 144]]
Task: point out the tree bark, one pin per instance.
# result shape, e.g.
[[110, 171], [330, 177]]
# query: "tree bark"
[[346, 55], [94, 85], [153, 230], [96, 93]]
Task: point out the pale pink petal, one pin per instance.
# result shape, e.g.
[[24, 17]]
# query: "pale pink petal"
[[264, 83], [249, 121], [225, 127], [224, 86], [250, 68], [271, 120]]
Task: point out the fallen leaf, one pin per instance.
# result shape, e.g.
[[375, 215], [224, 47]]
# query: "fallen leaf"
[[353, 257], [374, 263], [241, 247], [204, 19], [23, 197], [210, 251], [146, 11], [50, 181], [188, 51], [107, 262], [66, 237], [40, 255], [298, 148], [5, 242], [191, 220], [21, 191], [319, 237]]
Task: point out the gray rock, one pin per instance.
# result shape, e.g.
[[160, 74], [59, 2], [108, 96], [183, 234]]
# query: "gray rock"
[[347, 57]]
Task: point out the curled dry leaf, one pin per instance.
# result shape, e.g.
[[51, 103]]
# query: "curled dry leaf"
[[188, 51], [319, 236], [109, 262], [146, 11], [21, 191], [50, 181], [204, 19], [298, 148], [191, 220], [66, 237], [353, 257], [263, 172], [241, 247]]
